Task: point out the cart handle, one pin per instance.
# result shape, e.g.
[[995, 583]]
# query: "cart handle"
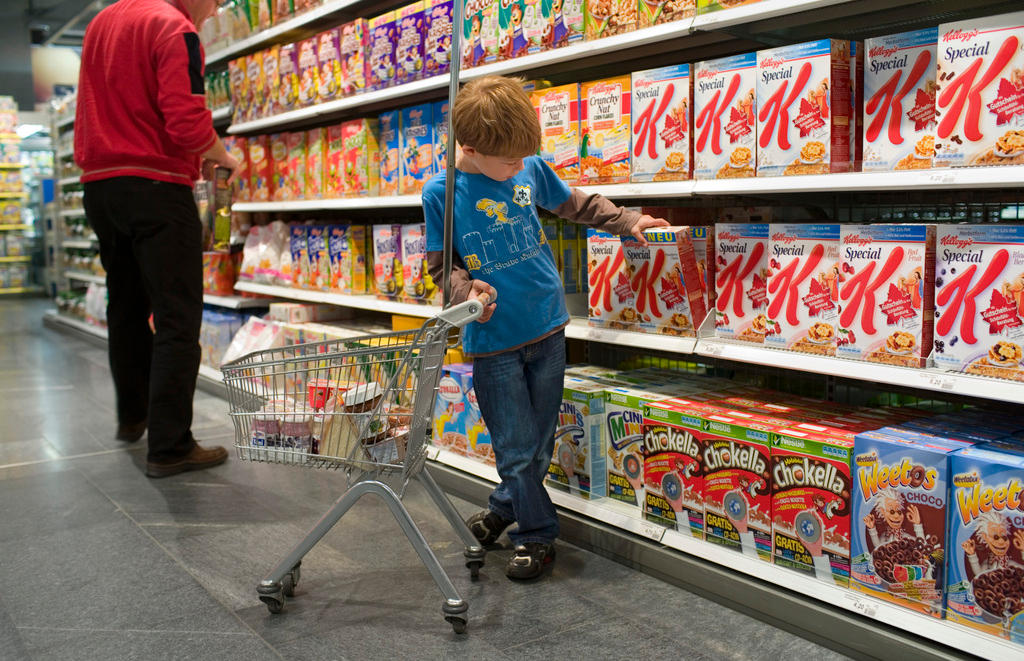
[[463, 313]]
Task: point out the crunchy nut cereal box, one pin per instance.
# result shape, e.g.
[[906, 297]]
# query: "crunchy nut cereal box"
[[360, 158], [578, 463], [662, 145], [381, 65], [387, 260], [612, 304], [665, 282], [605, 118], [330, 78], [437, 45], [886, 293], [439, 112], [279, 158], [417, 162], [288, 71], [334, 166], [803, 109], [980, 98], [603, 18], [520, 28], [354, 41], [480, 32], [725, 125], [656, 12], [562, 23], [309, 72], [410, 27], [390, 151], [558, 109], [316, 148], [899, 110], [261, 169], [979, 300], [673, 467], [741, 281], [803, 288]]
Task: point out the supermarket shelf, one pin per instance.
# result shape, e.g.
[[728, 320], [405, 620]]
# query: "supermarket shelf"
[[344, 300], [11, 166], [68, 181], [221, 114], [11, 228], [17, 258], [340, 203], [236, 302], [82, 244], [72, 213], [211, 373], [765, 9], [56, 320], [579, 329], [86, 277], [65, 153], [21, 290], [66, 121], [13, 196]]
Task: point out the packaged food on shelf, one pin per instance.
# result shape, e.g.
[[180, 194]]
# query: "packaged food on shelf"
[[18, 279], [673, 466], [282, 10], [316, 153], [319, 259], [662, 142], [479, 32], [803, 117], [298, 246], [410, 31], [439, 113], [354, 43], [605, 142], [300, 313], [725, 122], [478, 436], [280, 163], [703, 240], [261, 169], [360, 158], [857, 106], [604, 18], [330, 75], [578, 462], [665, 282], [334, 162], [558, 109], [656, 12], [417, 164], [624, 441], [380, 59], [564, 22], [899, 111], [387, 260], [309, 69], [520, 28], [418, 284], [389, 125], [708, 6], [238, 76], [290, 74], [611, 300], [437, 44], [219, 273], [979, 78], [256, 85], [741, 281]]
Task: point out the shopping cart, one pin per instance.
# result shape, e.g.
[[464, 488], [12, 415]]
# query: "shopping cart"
[[362, 406]]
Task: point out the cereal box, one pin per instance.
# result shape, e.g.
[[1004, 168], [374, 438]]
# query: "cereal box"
[[857, 101], [416, 280], [410, 28], [898, 537], [279, 160], [340, 259], [604, 116], [985, 584], [741, 281], [655, 12], [319, 258], [330, 78], [261, 169], [290, 80], [811, 489], [703, 240], [360, 158], [980, 97], [624, 438], [299, 246], [558, 109], [480, 32], [316, 151], [886, 293], [297, 164], [803, 288], [239, 90], [979, 299], [354, 41], [603, 18], [437, 45], [665, 282], [387, 260], [309, 72], [439, 113], [390, 152], [478, 437], [563, 23], [899, 113], [357, 248], [272, 80], [238, 147], [708, 6], [450, 409], [579, 457], [673, 467], [520, 28], [381, 65], [256, 87], [334, 167], [417, 162], [803, 109], [662, 145], [724, 124], [611, 301]]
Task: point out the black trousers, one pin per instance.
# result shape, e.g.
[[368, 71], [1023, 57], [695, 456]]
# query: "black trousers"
[[151, 247]]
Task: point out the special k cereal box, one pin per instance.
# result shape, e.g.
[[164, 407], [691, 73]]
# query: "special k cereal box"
[[665, 282], [261, 169], [479, 32], [416, 280], [309, 72], [611, 300], [724, 129], [624, 439], [673, 467], [563, 22], [417, 163], [389, 126], [316, 152], [662, 145], [558, 109], [578, 462], [334, 179], [290, 81], [410, 26], [354, 39], [803, 288], [886, 293], [899, 109], [603, 18], [331, 77], [439, 113], [604, 116], [803, 109], [811, 491], [980, 98], [360, 158], [741, 281], [437, 45], [380, 59], [979, 299], [387, 260]]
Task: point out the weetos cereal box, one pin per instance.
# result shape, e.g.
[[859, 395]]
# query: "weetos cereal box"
[[563, 21], [611, 301], [899, 107], [558, 109], [803, 109], [480, 32], [417, 148], [665, 282], [985, 584], [979, 299], [662, 146], [380, 60], [410, 23], [980, 99], [803, 288], [624, 438], [354, 39], [811, 503], [579, 459], [604, 116], [360, 157], [886, 293], [387, 260], [673, 471], [741, 281], [390, 146], [724, 130], [437, 45]]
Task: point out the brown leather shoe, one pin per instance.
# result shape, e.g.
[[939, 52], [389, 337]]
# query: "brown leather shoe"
[[131, 433], [198, 459]]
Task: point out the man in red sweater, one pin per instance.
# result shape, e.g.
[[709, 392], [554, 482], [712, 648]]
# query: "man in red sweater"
[[142, 132]]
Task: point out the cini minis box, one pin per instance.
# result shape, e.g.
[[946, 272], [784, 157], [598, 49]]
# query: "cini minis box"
[[558, 109], [380, 59], [417, 161], [979, 77], [389, 127], [886, 293], [665, 282], [624, 437], [579, 458], [611, 300], [479, 33], [899, 101], [803, 109], [410, 26], [979, 299], [724, 131], [662, 145], [604, 116], [673, 468], [741, 281], [360, 158], [387, 260], [803, 288], [354, 40]]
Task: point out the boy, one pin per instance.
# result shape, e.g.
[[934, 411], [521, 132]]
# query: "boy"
[[500, 255]]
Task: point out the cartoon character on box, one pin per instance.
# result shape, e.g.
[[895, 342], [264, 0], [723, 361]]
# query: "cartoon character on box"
[[514, 39], [438, 41]]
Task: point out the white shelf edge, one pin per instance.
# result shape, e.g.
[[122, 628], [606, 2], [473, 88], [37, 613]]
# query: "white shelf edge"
[[65, 153], [86, 277], [220, 114], [235, 302], [628, 518], [580, 329], [67, 181], [65, 121], [83, 244], [364, 302], [211, 373], [756, 12], [335, 203], [72, 213], [77, 324]]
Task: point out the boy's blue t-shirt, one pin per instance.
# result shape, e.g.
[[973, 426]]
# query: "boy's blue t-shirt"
[[498, 236]]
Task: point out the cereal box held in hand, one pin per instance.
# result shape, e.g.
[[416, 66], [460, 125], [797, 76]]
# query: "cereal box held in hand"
[[437, 45], [417, 162], [563, 23], [354, 39], [410, 28], [741, 281], [360, 158], [380, 59], [558, 109], [899, 106], [803, 109], [605, 118], [389, 126], [724, 117], [662, 144], [611, 300], [479, 32], [665, 282]]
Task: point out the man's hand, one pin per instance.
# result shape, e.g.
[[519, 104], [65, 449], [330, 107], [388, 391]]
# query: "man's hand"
[[646, 222], [486, 294], [227, 161]]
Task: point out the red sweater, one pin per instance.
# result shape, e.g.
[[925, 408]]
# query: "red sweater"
[[141, 104]]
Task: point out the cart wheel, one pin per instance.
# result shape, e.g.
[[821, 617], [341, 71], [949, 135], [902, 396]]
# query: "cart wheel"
[[274, 605], [458, 624], [474, 570], [288, 585]]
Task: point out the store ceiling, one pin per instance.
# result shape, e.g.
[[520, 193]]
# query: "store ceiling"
[[61, 22]]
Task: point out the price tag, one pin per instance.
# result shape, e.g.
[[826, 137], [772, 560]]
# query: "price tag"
[[862, 606], [939, 381], [433, 453], [941, 178], [651, 530], [713, 349]]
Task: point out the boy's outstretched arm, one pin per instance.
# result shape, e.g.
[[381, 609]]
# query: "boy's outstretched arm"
[[599, 212], [463, 286]]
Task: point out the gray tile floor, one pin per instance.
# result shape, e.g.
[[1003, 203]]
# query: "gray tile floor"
[[99, 562]]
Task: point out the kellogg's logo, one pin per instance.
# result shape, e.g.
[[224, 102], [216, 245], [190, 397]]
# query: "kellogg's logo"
[[858, 239], [882, 51], [960, 35], [957, 242], [772, 63], [707, 73], [780, 237], [729, 236]]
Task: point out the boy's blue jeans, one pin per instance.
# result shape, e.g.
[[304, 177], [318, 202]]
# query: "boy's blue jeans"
[[519, 393]]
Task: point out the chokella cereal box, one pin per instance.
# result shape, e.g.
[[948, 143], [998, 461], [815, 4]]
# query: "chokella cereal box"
[[605, 118], [558, 109], [725, 126], [662, 144], [611, 300], [673, 447], [665, 281], [741, 281]]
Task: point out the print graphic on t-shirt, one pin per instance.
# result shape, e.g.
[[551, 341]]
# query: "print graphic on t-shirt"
[[508, 241]]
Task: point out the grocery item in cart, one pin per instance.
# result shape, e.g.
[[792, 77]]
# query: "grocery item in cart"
[[437, 45], [604, 18], [380, 58], [662, 141], [479, 32], [330, 77], [886, 293], [351, 422], [360, 158], [563, 23], [741, 281], [390, 151], [611, 300], [724, 116], [309, 72], [558, 109], [803, 109], [899, 108], [354, 41], [979, 300], [665, 282], [387, 260], [673, 469], [606, 140], [980, 78], [417, 163], [579, 457]]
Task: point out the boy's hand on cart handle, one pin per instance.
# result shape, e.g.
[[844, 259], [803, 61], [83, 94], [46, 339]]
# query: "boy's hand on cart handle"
[[487, 295], [647, 222]]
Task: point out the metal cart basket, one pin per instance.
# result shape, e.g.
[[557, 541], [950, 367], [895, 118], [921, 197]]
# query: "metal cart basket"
[[362, 406]]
